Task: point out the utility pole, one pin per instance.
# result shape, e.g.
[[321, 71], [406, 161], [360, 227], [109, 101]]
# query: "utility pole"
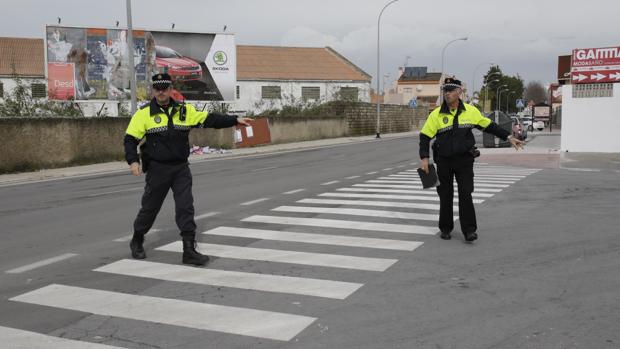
[[130, 53]]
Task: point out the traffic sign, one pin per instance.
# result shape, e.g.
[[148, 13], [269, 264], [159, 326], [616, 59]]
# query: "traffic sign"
[[413, 103], [520, 103]]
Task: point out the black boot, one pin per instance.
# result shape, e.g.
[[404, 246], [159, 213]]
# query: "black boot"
[[190, 255], [137, 250], [471, 237]]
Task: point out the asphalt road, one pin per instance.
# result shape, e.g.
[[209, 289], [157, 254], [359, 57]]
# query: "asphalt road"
[[544, 274]]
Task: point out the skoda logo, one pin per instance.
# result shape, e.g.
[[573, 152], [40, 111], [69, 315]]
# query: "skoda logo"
[[220, 58]]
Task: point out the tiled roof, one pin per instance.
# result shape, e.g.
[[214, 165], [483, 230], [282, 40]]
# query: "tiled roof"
[[295, 63], [21, 56], [418, 74]]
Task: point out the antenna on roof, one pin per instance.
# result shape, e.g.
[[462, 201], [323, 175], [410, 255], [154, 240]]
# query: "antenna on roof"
[[172, 25], [224, 28], [117, 23], [59, 20], [406, 61]]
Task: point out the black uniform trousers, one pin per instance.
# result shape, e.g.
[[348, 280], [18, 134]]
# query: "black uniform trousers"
[[461, 167], [160, 178]]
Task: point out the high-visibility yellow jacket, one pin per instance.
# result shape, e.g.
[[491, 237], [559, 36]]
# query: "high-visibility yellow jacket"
[[452, 130], [167, 130]]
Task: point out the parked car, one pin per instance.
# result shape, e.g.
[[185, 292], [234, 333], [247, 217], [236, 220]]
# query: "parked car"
[[539, 125], [527, 123], [179, 67]]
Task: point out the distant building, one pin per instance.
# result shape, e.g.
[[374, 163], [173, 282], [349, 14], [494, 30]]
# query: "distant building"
[[272, 76], [416, 83], [22, 58]]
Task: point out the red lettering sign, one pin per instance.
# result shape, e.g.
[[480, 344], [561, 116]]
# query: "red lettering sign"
[[61, 81]]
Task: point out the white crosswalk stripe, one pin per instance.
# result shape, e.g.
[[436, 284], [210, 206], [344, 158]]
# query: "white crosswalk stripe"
[[344, 224], [418, 181], [336, 240], [404, 191], [416, 205], [358, 212], [476, 179], [285, 256], [227, 319], [387, 196], [406, 186], [19, 339], [226, 278]]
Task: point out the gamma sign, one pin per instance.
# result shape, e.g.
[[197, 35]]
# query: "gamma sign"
[[595, 65]]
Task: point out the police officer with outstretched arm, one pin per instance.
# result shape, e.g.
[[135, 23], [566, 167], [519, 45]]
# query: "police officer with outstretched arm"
[[165, 123], [454, 152]]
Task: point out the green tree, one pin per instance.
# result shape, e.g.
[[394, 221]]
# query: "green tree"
[[495, 78]]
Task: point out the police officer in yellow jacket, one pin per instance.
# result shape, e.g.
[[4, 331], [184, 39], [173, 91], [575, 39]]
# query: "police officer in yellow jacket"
[[165, 124], [454, 152]]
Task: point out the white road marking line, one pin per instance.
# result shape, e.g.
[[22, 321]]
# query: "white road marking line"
[[125, 238], [422, 206], [324, 239], [254, 201], [405, 186], [203, 316], [263, 168], [581, 169], [476, 180], [476, 177], [206, 215], [404, 191], [371, 173], [114, 192], [352, 177], [42, 263], [401, 166], [388, 169], [330, 183], [293, 191], [286, 256], [235, 279], [344, 224], [396, 197], [15, 339], [359, 212], [476, 174], [476, 184]]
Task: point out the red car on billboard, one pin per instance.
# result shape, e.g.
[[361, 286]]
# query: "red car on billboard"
[[179, 67]]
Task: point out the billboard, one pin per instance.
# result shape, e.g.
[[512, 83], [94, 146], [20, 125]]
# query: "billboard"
[[595, 65], [202, 65]]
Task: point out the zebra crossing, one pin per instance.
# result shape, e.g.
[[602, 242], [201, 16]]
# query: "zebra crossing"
[[356, 217]]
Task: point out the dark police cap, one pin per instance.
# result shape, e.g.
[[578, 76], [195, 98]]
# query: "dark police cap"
[[451, 84], [162, 81]]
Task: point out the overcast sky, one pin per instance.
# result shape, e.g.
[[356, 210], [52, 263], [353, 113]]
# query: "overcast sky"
[[524, 37]]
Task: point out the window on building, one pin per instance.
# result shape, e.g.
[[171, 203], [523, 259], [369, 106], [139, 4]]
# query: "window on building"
[[38, 90], [407, 90], [593, 90], [237, 92], [310, 92], [1, 90], [349, 93], [271, 92]]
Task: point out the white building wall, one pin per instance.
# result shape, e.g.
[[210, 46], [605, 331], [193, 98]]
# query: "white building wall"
[[250, 93], [590, 124]]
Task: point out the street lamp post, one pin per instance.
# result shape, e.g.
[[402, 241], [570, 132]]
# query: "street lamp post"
[[443, 52], [378, 77], [473, 78], [486, 90], [497, 96], [507, 95]]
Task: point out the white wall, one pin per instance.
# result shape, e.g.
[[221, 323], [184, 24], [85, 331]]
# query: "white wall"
[[590, 124], [250, 98]]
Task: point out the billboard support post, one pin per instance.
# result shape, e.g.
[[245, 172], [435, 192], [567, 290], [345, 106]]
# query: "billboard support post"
[[130, 53]]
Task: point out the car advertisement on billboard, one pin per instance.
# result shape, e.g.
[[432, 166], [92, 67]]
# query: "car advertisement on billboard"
[[94, 63]]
